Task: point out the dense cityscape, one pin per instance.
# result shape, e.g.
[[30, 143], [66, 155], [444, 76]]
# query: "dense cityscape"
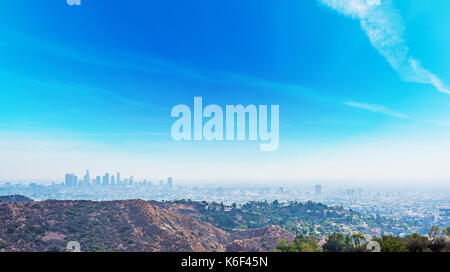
[[379, 211]]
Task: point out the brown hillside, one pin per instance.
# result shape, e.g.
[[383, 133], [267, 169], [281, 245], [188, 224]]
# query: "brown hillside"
[[15, 198], [126, 225], [129, 225], [258, 240]]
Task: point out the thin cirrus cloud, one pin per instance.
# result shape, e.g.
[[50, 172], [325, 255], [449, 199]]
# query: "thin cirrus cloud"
[[376, 108], [73, 2], [383, 25]]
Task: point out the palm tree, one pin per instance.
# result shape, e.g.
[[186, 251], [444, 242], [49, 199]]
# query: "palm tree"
[[357, 238]]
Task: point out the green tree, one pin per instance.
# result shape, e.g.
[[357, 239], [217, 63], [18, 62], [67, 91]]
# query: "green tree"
[[446, 231], [392, 244], [417, 243], [303, 243], [357, 238], [439, 245], [307, 247], [338, 242], [434, 232], [282, 246]]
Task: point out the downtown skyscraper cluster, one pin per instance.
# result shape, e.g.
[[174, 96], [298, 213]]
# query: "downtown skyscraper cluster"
[[71, 180], [105, 180]]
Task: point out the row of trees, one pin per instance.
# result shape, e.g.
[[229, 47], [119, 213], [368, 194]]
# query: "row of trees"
[[258, 214], [435, 241]]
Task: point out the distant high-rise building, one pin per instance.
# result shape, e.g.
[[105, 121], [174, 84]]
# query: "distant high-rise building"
[[70, 180], [98, 180], [106, 179], [118, 181], [87, 178], [113, 180], [161, 182], [131, 180], [170, 181], [74, 180], [318, 189]]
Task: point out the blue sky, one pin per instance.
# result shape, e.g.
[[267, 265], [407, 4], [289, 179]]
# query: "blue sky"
[[362, 87]]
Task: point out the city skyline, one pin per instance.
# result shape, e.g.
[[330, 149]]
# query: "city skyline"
[[108, 179]]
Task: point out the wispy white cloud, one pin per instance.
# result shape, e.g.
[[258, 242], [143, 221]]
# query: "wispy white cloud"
[[73, 2], [375, 108], [383, 25]]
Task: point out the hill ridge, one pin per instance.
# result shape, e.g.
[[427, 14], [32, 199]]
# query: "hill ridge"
[[118, 225]]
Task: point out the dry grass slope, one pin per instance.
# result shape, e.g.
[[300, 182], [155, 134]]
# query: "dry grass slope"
[[125, 225]]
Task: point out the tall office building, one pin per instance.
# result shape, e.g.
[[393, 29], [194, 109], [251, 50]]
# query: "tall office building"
[[170, 181], [113, 180], [118, 181], [318, 189], [106, 179], [87, 178], [131, 180], [98, 180], [70, 180]]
